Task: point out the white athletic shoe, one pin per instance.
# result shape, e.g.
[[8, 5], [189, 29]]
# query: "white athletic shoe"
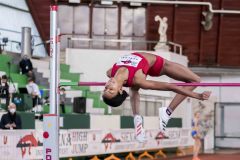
[[139, 131], [163, 119]]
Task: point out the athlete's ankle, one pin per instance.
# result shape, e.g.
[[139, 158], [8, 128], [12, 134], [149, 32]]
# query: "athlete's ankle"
[[169, 111], [166, 112]]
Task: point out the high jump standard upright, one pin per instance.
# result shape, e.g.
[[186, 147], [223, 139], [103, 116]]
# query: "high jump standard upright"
[[51, 120]]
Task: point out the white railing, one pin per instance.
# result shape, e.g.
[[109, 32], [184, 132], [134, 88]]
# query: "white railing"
[[177, 48]]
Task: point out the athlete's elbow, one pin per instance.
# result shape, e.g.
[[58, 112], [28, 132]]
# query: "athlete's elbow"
[[108, 75]]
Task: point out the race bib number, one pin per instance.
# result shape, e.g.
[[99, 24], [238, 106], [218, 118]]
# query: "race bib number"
[[129, 60]]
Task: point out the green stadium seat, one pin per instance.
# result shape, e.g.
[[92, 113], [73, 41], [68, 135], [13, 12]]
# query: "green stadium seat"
[[64, 68], [74, 77]]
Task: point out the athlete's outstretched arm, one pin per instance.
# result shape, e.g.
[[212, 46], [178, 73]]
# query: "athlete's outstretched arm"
[[134, 100], [164, 86]]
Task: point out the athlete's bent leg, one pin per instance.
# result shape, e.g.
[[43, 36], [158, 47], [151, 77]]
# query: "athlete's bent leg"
[[180, 73]]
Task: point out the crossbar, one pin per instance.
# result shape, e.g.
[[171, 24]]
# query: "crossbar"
[[209, 84], [178, 84]]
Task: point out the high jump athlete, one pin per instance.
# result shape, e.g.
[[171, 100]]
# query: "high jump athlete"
[[132, 70]]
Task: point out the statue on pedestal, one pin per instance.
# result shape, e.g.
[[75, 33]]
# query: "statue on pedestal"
[[162, 30]]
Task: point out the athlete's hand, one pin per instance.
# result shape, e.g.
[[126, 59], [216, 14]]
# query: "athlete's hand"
[[205, 95]]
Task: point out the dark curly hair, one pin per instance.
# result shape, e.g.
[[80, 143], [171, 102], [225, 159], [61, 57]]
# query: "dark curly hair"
[[117, 100]]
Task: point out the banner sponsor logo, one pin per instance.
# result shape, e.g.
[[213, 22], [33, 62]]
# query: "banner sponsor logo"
[[160, 136], [28, 141], [108, 140]]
